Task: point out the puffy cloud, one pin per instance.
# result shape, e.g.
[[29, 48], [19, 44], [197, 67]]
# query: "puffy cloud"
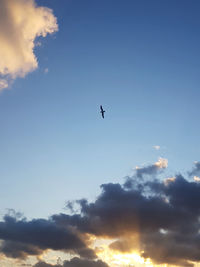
[[20, 250], [147, 171], [22, 238], [161, 163], [21, 22], [158, 219], [168, 230], [151, 169]]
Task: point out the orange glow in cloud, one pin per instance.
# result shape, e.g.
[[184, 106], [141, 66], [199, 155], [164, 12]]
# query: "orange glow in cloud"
[[114, 258], [118, 259]]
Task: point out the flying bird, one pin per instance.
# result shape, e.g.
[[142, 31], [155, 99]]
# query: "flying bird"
[[102, 112]]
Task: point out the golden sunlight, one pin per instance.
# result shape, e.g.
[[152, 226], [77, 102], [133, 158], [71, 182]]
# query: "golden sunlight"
[[132, 259], [117, 259]]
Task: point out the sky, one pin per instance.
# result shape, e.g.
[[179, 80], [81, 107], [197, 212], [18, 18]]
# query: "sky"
[[78, 190]]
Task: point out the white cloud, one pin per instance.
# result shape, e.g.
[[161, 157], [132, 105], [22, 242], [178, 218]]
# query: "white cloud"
[[161, 163], [196, 179], [21, 22], [156, 147]]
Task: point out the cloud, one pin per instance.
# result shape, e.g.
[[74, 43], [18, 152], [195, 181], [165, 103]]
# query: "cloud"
[[46, 70], [169, 230], [75, 262], [156, 147], [3, 84], [22, 238], [196, 169], [149, 170], [19, 250], [21, 22], [152, 169], [44, 264], [196, 178], [157, 218]]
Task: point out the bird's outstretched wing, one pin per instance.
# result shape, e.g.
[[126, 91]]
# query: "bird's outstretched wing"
[[102, 111]]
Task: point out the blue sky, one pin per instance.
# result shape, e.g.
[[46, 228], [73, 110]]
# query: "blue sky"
[[140, 60]]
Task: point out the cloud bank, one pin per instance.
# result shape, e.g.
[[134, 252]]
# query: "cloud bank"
[[157, 218], [75, 262], [22, 238], [21, 22]]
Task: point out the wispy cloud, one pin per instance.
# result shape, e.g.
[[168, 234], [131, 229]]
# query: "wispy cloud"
[[21, 22], [195, 170], [46, 70], [152, 169], [156, 147], [3, 84]]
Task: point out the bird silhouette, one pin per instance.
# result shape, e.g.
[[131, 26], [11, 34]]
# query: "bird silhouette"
[[102, 112]]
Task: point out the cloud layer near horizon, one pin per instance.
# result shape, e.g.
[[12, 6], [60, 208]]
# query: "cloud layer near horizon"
[[75, 262], [21, 22], [157, 218]]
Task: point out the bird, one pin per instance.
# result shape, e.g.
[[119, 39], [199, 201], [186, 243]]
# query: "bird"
[[102, 112]]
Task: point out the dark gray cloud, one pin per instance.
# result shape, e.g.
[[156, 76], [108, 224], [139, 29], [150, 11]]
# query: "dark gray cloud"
[[75, 262], [163, 216], [22, 238], [44, 264], [167, 220], [20, 250]]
